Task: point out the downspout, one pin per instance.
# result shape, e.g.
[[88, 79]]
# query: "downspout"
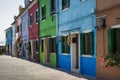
[[38, 31], [57, 27]]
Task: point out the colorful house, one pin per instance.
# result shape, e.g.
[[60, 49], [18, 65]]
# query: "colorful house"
[[77, 36], [48, 51], [108, 39], [25, 40], [13, 39], [18, 33], [8, 41], [33, 29]]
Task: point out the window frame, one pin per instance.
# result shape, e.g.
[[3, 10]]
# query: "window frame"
[[43, 15], [53, 7], [84, 54], [65, 52], [30, 20], [53, 50], [36, 16], [65, 5]]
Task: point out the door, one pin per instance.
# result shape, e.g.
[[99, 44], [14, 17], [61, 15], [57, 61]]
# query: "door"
[[75, 60], [48, 52]]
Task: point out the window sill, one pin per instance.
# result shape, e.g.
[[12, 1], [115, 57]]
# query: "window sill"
[[30, 25], [86, 56], [65, 9], [65, 54], [43, 20]]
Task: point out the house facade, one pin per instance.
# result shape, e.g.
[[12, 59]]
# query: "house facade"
[[13, 39], [108, 37], [8, 41], [18, 28], [33, 29], [48, 51], [77, 36], [25, 36]]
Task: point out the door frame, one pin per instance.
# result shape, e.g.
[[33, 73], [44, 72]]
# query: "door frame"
[[76, 32]]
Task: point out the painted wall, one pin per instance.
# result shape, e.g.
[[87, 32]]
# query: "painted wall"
[[47, 26], [9, 41], [48, 29], [79, 16], [13, 39], [33, 30], [9, 36], [25, 27], [102, 40]]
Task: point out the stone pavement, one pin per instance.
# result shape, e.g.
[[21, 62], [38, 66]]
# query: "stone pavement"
[[12, 68]]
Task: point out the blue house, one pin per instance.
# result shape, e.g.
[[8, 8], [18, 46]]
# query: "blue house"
[[77, 36], [24, 20], [8, 41]]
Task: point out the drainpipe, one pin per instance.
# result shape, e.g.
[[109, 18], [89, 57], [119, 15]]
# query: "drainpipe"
[[57, 27], [38, 31]]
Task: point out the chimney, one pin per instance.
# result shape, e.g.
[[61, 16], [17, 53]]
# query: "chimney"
[[20, 8]]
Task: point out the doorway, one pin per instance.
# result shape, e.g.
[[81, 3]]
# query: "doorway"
[[47, 52], [75, 47]]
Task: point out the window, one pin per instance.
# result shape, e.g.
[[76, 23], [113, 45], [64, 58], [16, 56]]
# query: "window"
[[37, 46], [52, 45], [87, 43], [65, 46], [36, 16], [65, 4], [82, 0], [114, 41], [30, 22], [42, 45], [43, 12], [53, 7]]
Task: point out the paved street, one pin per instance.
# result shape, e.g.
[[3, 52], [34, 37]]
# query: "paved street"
[[12, 68]]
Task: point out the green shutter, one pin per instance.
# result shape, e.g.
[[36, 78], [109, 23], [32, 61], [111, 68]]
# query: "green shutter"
[[111, 41], [63, 44], [91, 43], [68, 47], [82, 43]]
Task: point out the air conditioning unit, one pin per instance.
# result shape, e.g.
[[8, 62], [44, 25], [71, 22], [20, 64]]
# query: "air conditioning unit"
[[101, 22]]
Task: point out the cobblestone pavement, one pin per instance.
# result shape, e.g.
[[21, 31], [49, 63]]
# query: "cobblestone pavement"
[[12, 68]]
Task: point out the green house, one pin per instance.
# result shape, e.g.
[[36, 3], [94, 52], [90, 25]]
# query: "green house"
[[47, 32]]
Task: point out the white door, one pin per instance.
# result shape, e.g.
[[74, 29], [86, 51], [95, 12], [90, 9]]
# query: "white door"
[[75, 47]]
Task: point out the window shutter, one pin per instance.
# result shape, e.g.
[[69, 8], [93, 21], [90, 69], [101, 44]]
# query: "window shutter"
[[91, 43], [63, 44], [68, 47], [50, 45], [111, 41], [82, 43]]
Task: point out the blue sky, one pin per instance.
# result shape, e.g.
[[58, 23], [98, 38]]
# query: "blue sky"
[[8, 8]]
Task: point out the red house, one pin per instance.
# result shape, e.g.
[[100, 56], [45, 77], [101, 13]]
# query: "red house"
[[33, 30]]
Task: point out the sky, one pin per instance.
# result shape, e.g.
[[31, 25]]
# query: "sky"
[[8, 8]]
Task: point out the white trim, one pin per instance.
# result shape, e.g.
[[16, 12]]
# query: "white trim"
[[116, 26], [76, 70], [64, 34], [87, 31], [86, 56], [101, 16], [42, 38], [65, 54], [53, 36], [65, 9], [82, 0]]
